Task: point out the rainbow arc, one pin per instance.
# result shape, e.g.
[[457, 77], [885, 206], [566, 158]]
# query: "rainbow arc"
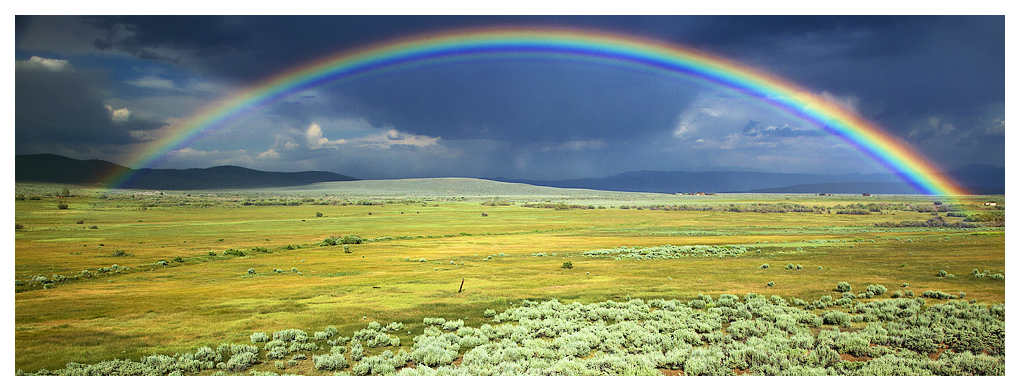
[[596, 47]]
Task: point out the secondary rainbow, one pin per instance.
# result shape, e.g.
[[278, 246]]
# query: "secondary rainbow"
[[590, 46]]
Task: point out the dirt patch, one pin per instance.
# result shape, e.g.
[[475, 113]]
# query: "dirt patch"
[[850, 357], [671, 372]]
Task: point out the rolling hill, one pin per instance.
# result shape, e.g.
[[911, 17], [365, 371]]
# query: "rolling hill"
[[59, 169]]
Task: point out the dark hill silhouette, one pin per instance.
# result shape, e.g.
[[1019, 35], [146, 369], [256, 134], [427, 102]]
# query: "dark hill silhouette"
[[59, 169]]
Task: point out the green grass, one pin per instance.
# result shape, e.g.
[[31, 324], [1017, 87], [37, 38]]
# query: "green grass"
[[207, 300]]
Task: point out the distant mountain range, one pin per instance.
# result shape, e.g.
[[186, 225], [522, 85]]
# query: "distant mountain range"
[[59, 169], [979, 179]]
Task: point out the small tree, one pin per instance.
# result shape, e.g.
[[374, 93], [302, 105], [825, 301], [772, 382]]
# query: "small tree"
[[567, 265], [61, 205]]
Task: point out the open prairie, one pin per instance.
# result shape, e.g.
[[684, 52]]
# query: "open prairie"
[[196, 269]]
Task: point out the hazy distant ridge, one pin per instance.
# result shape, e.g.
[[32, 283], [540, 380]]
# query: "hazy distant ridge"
[[981, 179]]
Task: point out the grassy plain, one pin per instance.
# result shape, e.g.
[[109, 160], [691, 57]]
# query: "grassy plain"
[[210, 298]]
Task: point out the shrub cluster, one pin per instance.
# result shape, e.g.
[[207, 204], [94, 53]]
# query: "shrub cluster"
[[934, 222], [754, 335], [334, 240], [668, 252]]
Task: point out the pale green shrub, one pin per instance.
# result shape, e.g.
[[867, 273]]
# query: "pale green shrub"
[[357, 351], [259, 337], [241, 361]]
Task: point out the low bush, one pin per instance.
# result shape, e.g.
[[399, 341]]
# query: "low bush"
[[877, 290], [259, 337], [330, 362], [937, 295], [350, 239], [241, 361], [843, 286], [291, 335], [357, 351], [233, 252], [836, 318]]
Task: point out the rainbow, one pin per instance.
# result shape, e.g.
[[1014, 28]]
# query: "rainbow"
[[591, 46]]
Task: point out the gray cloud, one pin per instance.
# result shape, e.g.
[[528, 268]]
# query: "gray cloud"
[[755, 128], [57, 105]]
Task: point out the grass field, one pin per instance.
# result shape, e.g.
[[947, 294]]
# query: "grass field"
[[421, 240]]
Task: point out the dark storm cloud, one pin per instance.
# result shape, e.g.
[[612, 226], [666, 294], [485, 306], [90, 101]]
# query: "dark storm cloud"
[[57, 105], [250, 48], [526, 101], [891, 62], [919, 65], [140, 35]]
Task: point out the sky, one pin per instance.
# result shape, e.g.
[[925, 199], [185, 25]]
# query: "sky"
[[110, 87]]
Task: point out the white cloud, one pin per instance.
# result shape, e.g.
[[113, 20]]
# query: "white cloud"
[[141, 135], [577, 145], [154, 82], [396, 137], [188, 152], [933, 127], [848, 103], [119, 115], [269, 154], [710, 112], [996, 127], [189, 157], [315, 139], [46, 63], [690, 120]]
